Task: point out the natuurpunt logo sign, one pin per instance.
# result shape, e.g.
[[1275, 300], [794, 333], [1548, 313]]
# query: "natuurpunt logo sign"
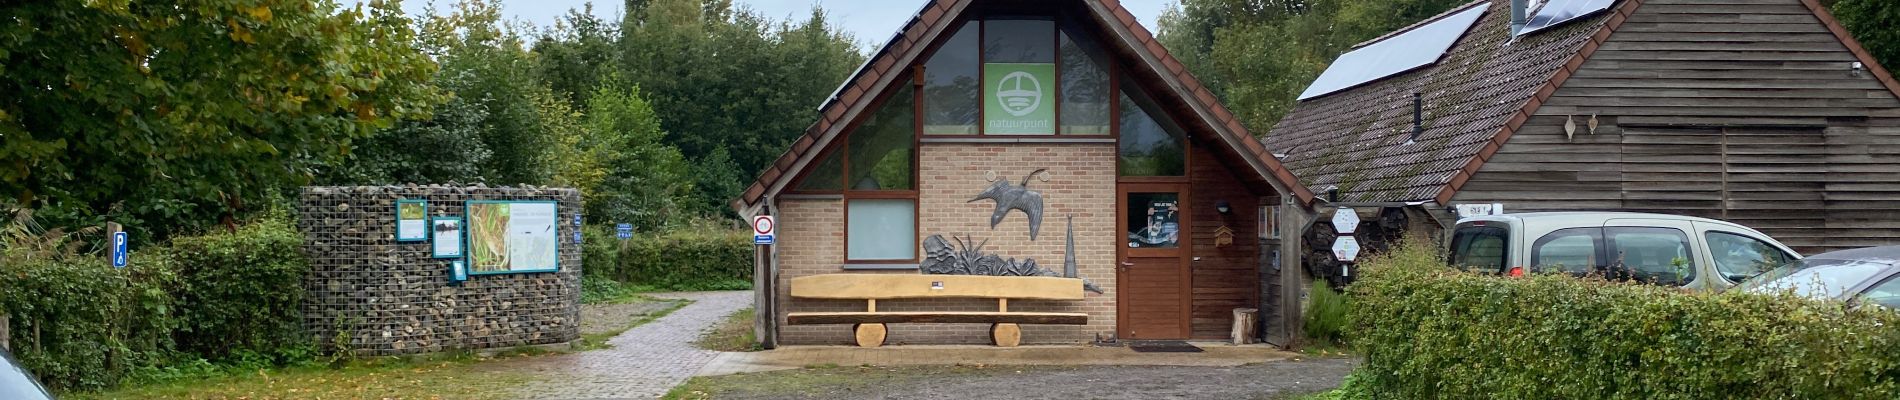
[[1015, 100]]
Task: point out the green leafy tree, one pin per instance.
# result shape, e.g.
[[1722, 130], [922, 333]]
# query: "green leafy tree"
[[446, 147], [573, 54], [734, 80], [642, 180], [173, 113], [487, 64], [1873, 24]]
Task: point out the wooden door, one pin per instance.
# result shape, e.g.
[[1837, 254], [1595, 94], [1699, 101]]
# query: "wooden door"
[[1152, 281]]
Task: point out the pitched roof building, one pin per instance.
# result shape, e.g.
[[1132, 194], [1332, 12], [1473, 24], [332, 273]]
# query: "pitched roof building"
[[1086, 147], [1762, 112]]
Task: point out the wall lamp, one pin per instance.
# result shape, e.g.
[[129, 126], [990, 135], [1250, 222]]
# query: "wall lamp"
[[1223, 207]]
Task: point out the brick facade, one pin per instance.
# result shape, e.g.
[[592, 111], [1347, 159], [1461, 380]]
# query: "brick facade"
[[1082, 184]]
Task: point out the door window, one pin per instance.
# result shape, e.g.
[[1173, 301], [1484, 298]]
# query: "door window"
[[1573, 250], [1740, 257], [1886, 294], [1154, 220], [1479, 248], [1650, 255]]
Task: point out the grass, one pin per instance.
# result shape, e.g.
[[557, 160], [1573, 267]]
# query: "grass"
[[446, 377], [454, 375], [732, 334], [827, 377]]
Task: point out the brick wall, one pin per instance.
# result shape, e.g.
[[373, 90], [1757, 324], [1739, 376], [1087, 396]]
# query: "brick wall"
[[392, 298], [1082, 184]]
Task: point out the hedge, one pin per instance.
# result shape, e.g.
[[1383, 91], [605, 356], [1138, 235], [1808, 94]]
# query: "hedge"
[[1429, 332], [685, 259], [224, 298]]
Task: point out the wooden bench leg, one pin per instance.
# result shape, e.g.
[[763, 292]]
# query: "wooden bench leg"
[[1006, 335], [870, 335]]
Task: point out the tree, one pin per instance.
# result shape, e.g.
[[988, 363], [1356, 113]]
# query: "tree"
[[486, 63], [730, 79], [1872, 22], [641, 180], [446, 147], [172, 113], [572, 56]]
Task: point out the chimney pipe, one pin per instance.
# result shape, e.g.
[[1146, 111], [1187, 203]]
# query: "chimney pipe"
[[1418, 116], [1517, 16]]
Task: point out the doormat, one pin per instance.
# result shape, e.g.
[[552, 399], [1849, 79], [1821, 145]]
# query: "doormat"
[[1162, 346]]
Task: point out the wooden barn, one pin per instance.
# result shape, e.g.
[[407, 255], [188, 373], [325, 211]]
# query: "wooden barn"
[[1760, 112]]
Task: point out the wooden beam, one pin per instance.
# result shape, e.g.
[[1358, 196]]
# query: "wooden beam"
[[915, 286], [947, 317], [1002, 305]]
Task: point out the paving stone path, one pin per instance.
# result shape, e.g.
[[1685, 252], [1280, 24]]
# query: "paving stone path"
[[644, 362]]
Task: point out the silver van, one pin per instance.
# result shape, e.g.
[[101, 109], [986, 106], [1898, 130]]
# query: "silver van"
[[1675, 250]]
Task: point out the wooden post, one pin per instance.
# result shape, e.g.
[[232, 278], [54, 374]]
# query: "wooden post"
[[1002, 305], [1295, 219]]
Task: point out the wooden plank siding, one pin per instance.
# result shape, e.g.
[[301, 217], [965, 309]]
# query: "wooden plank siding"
[[1225, 277], [1743, 110]]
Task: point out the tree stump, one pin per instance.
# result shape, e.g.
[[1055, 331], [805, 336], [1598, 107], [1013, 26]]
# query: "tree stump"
[[1245, 321], [1006, 335], [870, 335]]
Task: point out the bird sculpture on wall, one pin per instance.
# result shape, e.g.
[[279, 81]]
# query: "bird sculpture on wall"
[[1010, 197]]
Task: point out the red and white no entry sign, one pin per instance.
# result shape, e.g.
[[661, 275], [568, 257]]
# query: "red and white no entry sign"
[[764, 225]]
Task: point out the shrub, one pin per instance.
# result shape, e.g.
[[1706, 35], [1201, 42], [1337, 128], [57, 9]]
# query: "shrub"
[[79, 323], [684, 259], [241, 294], [1325, 314], [1430, 332]]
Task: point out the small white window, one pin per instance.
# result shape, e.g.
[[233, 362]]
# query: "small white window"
[[881, 230]]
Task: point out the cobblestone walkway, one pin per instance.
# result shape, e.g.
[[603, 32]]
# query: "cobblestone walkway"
[[647, 360]]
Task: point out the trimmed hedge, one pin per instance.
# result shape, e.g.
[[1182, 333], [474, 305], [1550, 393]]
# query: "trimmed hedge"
[[223, 298], [686, 259], [1430, 332]]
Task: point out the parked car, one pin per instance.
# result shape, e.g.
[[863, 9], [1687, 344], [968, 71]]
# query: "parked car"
[[16, 383], [1859, 276], [1697, 253]]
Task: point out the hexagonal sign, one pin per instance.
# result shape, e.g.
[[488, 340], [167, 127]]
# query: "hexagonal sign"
[[1346, 248], [1345, 221]]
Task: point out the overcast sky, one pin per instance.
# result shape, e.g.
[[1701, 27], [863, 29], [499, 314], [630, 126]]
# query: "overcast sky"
[[871, 21]]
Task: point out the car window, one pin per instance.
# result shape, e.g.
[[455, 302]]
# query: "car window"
[[1572, 250], [1886, 294], [1479, 248], [1739, 257], [1651, 255]]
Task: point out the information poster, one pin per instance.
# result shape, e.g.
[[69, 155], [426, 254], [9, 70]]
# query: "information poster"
[[1019, 99], [447, 233], [513, 236], [412, 220]]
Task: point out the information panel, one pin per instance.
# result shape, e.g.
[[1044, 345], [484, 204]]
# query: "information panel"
[[513, 236]]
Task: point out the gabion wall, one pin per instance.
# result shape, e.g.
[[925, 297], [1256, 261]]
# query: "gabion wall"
[[391, 298]]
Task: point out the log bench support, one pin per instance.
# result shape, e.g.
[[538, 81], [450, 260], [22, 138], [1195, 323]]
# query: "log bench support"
[[869, 326]]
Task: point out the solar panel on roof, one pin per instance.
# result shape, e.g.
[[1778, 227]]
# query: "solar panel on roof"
[[1407, 51], [1557, 12]]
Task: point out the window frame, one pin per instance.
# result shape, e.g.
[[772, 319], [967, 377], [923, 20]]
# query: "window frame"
[[1504, 248], [1598, 250], [1860, 294], [1688, 245], [916, 255], [1062, 22], [1713, 258]]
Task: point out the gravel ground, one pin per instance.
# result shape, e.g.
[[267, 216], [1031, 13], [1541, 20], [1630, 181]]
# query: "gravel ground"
[[1274, 380], [597, 318]]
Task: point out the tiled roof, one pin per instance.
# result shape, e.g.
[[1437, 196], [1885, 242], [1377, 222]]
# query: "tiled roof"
[[932, 21], [1356, 139], [1474, 99]]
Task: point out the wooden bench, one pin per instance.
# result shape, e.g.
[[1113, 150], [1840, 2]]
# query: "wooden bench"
[[1005, 330]]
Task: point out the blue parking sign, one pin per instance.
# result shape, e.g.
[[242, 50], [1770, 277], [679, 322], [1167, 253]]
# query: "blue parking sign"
[[119, 252], [624, 231]]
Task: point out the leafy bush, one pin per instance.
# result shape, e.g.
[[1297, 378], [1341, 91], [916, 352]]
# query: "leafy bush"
[[1430, 332], [241, 293], [683, 259], [218, 299], [1325, 314]]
